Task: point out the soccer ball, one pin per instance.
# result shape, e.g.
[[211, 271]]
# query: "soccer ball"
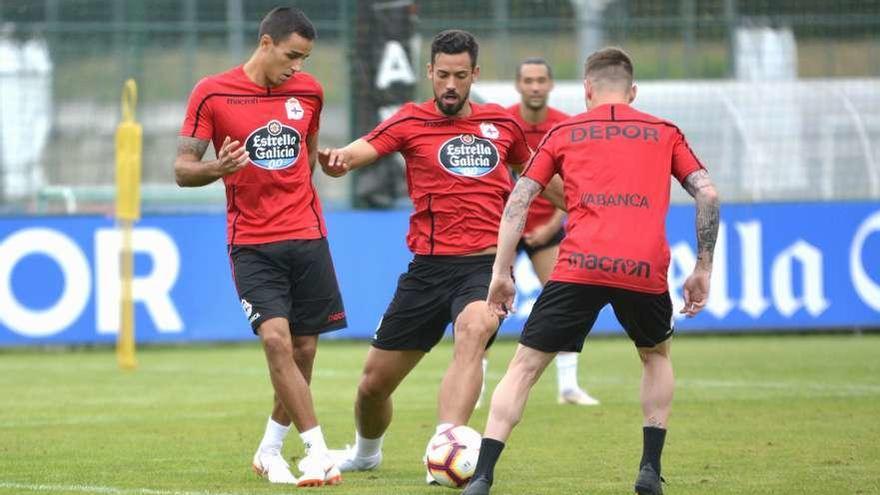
[[451, 456]]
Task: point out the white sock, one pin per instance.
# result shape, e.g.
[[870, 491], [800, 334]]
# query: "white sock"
[[442, 427], [313, 440], [367, 447], [274, 435], [566, 371]]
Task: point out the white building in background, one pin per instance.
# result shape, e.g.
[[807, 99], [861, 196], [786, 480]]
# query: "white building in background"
[[25, 114]]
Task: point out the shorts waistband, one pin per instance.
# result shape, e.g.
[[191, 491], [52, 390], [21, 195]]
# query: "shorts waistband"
[[455, 259]]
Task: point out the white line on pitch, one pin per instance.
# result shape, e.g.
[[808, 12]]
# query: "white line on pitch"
[[108, 490]]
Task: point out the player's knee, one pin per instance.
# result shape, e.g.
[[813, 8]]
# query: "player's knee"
[[372, 388], [275, 341], [475, 331], [659, 351], [305, 348]]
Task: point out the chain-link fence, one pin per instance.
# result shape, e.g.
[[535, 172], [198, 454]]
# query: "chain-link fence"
[[787, 89]]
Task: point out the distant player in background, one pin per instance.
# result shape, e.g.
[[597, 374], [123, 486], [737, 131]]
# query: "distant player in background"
[[263, 119], [544, 227], [615, 162], [455, 153]]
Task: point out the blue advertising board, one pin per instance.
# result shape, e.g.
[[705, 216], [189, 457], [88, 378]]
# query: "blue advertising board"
[[777, 266]]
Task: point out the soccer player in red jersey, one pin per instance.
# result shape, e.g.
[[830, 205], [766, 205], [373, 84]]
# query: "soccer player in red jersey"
[[263, 118], [544, 230], [455, 151], [615, 162]]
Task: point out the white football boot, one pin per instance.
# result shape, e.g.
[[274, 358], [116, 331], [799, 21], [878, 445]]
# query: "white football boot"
[[347, 459], [577, 397], [318, 469], [272, 466]]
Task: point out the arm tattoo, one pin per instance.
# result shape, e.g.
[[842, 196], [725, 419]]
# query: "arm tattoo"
[[518, 205], [191, 146], [696, 181], [699, 185]]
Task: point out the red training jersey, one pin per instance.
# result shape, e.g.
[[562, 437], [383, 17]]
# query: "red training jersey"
[[615, 163], [542, 209], [455, 171], [273, 198]]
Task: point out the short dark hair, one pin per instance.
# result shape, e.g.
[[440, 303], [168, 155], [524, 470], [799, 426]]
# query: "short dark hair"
[[534, 61], [453, 42], [610, 63], [281, 22]]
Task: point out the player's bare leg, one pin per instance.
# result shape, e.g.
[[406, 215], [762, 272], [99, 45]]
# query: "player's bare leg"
[[292, 390], [658, 383], [269, 460], [305, 347], [569, 392], [460, 387], [383, 372], [512, 392], [508, 403]]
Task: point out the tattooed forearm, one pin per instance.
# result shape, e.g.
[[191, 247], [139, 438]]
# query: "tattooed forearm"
[[191, 146], [700, 186], [697, 181], [518, 205]]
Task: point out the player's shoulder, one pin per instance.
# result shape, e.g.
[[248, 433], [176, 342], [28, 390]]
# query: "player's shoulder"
[[304, 81], [566, 122], [219, 81], [512, 109], [556, 115], [490, 111], [631, 113]]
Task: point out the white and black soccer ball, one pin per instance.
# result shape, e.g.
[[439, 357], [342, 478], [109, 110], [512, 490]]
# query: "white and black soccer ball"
[[451, 456]]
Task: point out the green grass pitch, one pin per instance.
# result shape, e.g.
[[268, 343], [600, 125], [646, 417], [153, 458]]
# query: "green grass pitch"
[[752, 415]]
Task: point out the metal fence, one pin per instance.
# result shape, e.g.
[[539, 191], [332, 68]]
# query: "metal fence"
[[62, 64]]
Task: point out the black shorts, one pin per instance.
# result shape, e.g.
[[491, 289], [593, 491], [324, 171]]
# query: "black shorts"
[[531, 250], [291, 279], [429, 296], [565, 313]]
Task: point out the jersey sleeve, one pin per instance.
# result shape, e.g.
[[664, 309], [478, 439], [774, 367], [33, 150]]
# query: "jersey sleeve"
[[315, 124], [199, 119], [542, 167], [390, 135], [684, 161], [519, 152]]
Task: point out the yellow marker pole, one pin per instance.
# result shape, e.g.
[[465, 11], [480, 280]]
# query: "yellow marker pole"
[[128, 209]]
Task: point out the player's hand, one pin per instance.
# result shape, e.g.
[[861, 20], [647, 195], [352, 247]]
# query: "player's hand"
[[501, 292], [696, 292], [333, 162], [232, 157], [540, 235]]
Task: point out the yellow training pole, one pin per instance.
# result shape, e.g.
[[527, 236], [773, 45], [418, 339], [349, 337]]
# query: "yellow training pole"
[[128, 210]]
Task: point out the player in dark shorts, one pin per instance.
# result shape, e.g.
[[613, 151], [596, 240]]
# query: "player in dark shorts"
[[455, 151], [616, 163], [544, 225], [263, 119]]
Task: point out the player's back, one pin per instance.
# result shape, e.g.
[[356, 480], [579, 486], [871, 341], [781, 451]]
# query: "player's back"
[[616, 162]]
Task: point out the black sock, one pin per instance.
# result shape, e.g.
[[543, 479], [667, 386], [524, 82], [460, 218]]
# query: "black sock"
[[490, 451], [652, 446]]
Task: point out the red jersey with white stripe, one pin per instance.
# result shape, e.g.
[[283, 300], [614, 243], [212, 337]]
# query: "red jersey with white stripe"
[[456, 173], [615, 163], [272, 198], [542, 209]]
